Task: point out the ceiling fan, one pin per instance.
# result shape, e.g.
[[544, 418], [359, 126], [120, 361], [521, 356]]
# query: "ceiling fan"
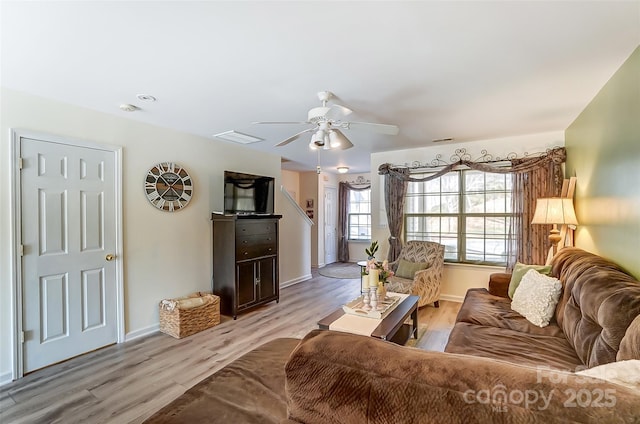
[[328, 124]]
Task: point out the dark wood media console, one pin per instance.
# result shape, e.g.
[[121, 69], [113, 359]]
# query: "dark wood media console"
[[245, 261]]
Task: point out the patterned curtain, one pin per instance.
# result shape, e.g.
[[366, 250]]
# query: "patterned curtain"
[[395, 189], [533, 178], [343, 210], [530, 243], [343, 236]]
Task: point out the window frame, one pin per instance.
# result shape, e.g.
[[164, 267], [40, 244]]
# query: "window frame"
[[462, 233], [358, 214]]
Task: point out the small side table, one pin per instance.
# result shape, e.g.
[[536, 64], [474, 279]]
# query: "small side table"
[[363, 266]]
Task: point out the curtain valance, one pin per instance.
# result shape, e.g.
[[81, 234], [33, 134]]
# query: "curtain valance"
[[557, 155], [533, 177], [356, 187]]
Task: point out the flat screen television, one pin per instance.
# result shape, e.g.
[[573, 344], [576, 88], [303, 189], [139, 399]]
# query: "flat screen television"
[[247, 194]]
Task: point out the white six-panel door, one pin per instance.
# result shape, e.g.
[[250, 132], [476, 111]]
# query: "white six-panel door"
[[68, 232], [330, 226]]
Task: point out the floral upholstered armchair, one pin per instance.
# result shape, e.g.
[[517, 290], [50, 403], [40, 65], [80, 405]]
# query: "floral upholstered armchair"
[[418, 271]]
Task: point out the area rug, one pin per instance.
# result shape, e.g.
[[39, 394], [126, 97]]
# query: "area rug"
[[344, 270]]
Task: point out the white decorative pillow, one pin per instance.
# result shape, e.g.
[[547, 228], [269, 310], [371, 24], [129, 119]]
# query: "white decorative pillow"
[[625, 373], [536, 297]]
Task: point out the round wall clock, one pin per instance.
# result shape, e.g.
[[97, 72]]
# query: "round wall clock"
[[168, 186]]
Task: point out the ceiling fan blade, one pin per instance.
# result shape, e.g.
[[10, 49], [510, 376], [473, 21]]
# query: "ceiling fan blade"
[[336, 112], [293, 137], [281, 122], [379, 128]]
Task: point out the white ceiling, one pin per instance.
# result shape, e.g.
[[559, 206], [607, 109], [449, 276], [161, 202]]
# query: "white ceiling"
[[468, 70]]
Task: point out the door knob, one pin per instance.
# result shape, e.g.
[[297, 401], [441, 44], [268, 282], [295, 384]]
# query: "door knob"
[[109, 257]]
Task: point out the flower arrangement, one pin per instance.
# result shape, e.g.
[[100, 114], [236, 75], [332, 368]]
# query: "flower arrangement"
[[384, 272]]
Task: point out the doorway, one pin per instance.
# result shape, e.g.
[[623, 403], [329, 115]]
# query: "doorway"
[[68, 268], [330, 226]]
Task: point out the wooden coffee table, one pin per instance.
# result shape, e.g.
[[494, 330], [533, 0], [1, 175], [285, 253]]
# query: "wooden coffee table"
[[392, 327]]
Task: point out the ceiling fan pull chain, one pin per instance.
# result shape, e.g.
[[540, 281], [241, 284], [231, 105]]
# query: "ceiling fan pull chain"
[[318, 169]]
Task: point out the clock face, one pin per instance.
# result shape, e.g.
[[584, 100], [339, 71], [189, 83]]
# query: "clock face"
[[168, 186]]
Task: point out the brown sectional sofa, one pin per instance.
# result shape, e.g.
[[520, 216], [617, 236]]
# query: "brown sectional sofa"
[[592, 324], [497, 367]]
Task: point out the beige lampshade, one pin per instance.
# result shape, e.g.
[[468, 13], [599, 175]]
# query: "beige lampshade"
[[554, 210]]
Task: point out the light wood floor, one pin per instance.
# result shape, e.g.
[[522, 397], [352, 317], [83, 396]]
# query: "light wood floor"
[[126, 383]]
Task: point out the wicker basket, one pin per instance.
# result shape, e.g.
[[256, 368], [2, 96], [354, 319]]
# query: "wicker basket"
[[181, 323]]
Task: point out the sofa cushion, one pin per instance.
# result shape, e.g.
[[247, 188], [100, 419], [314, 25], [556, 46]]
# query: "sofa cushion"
[[598, 304], [630, 344], [407, 269], [513, 346], [337, 377], [499, 283], [482, 308], [248, 390], [519, 270], [536, 297]]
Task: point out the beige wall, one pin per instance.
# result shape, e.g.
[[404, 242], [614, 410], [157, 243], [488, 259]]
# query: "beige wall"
[[603, 150], [147, 278], [291, 182], [457, 278], [309, 190], [295, 234], [295, 242]]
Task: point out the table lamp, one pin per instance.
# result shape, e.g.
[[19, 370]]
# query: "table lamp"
[[555, 211]]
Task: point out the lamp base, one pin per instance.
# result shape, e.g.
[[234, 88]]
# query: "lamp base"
[[554, 238]]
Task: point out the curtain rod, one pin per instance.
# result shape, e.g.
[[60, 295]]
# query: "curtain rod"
[[461, 155], [360, 180]]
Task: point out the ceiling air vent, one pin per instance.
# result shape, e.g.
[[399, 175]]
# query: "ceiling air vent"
[[238, 137]]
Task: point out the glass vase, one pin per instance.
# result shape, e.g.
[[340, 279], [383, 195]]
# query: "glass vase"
[[382, 291]]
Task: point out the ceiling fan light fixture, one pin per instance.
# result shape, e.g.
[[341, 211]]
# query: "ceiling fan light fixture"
[[317, 138], [336, 139], [327, 145], [327, 123]]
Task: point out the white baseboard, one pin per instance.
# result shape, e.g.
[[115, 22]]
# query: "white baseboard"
[[6, 378], [295, 281], [452, 298], [142, 332]]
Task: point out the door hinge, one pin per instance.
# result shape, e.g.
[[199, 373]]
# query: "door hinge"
[[20, 164], [22, 250], [22, 337]]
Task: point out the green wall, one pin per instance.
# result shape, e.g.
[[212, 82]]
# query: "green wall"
[[603, 152]]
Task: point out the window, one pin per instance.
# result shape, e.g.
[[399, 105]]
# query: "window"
[[467, 211], [359, 214]]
